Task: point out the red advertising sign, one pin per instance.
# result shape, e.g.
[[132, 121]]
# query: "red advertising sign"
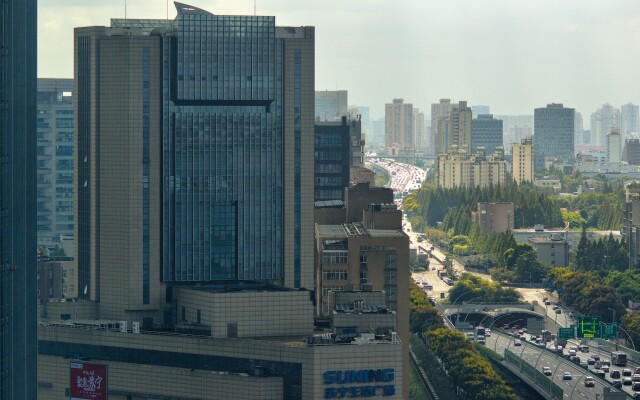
[[88, 381]]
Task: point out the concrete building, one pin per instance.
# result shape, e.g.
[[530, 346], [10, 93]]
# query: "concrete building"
[[458, 168], [552, 250], [578, 132], [399, 132], [331, 105], [551, 184], [614, 146], [455, 129], [18, 200], [338, 147], [522, 161], [486, 132], [55, 159], [439, 112], [553, 134], [571, 237], [494, 217], [631, 152]]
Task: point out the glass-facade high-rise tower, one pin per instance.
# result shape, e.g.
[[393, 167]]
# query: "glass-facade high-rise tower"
[[553, 134], [194, 156], [18, 345]]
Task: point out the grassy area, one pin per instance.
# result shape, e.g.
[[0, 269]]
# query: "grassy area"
[[416, 389]]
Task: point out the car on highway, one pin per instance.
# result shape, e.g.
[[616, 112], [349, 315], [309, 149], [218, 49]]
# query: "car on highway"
[[591, 361], [636, 395], [567, 376], [547, 303], [635, 378], [614, 374], [583, 364], [547, 371], [626, 372], [517, 342], [589, 381], [605, 368], [635, 387], [627, 381], [600, 373], [558, 311], [596, 357]]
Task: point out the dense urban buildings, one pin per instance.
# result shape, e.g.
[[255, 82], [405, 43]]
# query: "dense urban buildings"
[[18, 313], [195, 216], [629, 120], [522, 161], [454, 129], [553, 134], [631, 152], [331, 105], [55, 160], [459, 168], [486, 132], [399, 128], [480, 110], [419, 130]]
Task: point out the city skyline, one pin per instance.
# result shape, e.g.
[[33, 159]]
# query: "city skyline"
[[513, 57]]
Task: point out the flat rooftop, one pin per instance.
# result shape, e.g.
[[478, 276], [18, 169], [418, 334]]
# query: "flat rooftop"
[[347, 230]]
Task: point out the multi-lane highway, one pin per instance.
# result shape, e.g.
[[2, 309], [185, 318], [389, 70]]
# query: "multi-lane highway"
[[573, 388]]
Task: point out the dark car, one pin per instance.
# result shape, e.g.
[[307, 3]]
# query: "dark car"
[[635, 387], [614, 374]]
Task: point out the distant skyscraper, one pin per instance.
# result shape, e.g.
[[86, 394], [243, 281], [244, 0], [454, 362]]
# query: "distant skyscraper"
[[486, 132], [331, 104], [455, 129], [419, 129], [629, 120], [18, 345], [553, 134], [614, 145], [399, 129], [602, 121], [55, 159], [522, 161], [578, 134], [223, 191], [439, 111], [480, 110]]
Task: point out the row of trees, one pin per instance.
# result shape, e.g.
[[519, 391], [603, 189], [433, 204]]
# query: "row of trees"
[[457, 356], [602, 255], [601, 211], [432, 204], [471, 287]]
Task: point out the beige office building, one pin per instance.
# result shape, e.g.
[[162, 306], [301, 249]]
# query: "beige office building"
[[495, 217], [399, 131], [454, 129], [522, 161]]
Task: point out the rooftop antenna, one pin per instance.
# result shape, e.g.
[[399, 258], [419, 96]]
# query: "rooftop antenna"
[[254, 8], [125, 12], [167, 9]]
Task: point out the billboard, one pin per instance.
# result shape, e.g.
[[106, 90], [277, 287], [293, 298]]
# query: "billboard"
[[88, 381]]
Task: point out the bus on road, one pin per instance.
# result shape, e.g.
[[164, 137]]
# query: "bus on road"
[[619, 358]]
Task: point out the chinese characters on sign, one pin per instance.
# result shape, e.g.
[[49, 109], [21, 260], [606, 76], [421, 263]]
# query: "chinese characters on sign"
[[359, 376], [88, 381]]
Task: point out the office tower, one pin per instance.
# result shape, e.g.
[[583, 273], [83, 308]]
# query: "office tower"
[[398, 128], [338, 146], [553, 134], [18, 200], [614, 146], [419, 129], [629, 120], [602, 121], [331, 104], [439, 111], [363, 112], [486, 132], [377, 132], [457, 168], [494, 217], [55, 159], [522, 161], [215, 161], [480, 110]]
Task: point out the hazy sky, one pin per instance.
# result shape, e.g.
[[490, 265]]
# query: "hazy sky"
[[513, 55]]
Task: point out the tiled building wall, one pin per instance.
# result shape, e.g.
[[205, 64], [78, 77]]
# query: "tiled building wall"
[[255, 314]]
